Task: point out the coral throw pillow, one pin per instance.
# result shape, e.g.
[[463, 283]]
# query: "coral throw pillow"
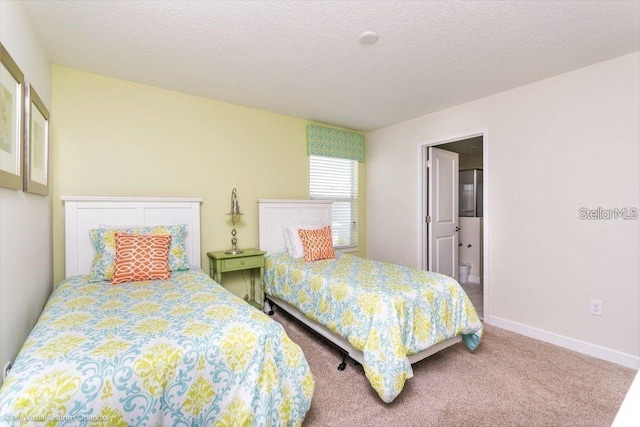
[[317, 244], [141, 257]]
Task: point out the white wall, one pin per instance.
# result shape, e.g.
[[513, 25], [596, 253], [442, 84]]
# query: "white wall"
[[26, 270], [552, 147], [471, 234]]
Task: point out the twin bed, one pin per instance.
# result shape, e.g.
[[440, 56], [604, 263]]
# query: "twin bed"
[[184, 351], [384, 316]]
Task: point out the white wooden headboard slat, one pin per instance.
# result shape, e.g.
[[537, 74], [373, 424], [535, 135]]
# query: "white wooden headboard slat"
[[83, 213], [274, 214]]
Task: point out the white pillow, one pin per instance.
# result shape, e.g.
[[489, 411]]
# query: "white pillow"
[[292, 238]]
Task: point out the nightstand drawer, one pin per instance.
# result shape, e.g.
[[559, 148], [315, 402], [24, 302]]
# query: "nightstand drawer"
[[242, 263]]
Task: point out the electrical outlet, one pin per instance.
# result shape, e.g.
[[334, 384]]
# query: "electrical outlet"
[[595, 307]]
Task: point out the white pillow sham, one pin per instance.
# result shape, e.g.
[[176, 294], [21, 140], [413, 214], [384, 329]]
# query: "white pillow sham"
[[292, 238]]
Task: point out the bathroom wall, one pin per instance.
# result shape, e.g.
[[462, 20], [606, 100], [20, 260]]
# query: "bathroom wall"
[[470, 162], [470, 246], [470, 235]]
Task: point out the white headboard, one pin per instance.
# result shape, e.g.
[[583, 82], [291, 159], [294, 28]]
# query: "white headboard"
[[274, 214], [84, 213]]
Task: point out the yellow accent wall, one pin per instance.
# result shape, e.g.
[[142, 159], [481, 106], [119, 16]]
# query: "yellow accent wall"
[[118, 138]]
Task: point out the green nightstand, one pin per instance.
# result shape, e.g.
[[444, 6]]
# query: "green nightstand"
[[250, 259]]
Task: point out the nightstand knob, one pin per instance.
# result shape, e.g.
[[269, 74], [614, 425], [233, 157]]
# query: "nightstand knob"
[[241, 262]]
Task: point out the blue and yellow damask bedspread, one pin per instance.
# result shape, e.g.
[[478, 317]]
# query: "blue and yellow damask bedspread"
[[179, 352], [384, 310]]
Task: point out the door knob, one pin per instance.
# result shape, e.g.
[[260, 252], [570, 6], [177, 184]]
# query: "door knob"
[[457, 228]]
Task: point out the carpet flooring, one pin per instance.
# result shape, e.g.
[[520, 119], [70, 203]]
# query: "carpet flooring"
[[510, 380]]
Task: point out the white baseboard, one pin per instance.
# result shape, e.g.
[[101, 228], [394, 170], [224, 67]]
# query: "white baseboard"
[[583, 347], [474, 279]]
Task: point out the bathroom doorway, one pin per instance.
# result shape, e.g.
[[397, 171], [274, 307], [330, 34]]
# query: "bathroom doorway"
[[470, 219]]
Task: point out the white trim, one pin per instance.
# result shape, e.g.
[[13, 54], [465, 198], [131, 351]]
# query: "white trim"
[[484, 132], [583, 347]]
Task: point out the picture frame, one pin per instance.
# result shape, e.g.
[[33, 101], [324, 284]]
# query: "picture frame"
[[11, 122], [36, 154]]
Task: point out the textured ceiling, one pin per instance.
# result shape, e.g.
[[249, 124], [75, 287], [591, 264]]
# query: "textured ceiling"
[[303, 58]]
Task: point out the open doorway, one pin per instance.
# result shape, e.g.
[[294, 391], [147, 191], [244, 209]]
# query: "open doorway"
[[471, 225]]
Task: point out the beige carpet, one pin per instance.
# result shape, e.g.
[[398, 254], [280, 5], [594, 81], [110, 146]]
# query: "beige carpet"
[[511, 380]]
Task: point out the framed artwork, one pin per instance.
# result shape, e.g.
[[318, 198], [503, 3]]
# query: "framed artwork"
[[11, 122], [37, 145]]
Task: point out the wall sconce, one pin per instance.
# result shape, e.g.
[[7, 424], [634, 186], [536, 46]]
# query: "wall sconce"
[[235, 218]]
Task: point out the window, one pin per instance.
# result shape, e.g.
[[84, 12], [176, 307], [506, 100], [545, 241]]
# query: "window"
[[337, 179]]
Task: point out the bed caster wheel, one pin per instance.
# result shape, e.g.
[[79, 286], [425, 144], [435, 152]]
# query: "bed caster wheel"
[[342, 366], [268, 307]]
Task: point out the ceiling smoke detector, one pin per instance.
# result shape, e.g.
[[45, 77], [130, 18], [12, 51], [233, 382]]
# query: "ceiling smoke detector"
[[368, 37]]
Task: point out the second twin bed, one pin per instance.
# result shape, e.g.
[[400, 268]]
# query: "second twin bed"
[[384, 316]]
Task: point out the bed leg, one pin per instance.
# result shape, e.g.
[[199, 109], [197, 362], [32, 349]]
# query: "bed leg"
[[343, 365], [268, 307]]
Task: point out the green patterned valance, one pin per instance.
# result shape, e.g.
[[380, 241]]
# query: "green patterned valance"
[[329, 142]]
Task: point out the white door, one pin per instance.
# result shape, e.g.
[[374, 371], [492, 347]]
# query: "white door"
[[442, 211]]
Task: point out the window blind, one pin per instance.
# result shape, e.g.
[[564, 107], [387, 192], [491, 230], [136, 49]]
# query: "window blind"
[[337, 180]]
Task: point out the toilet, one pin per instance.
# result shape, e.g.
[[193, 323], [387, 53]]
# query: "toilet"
[[463, 272]]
